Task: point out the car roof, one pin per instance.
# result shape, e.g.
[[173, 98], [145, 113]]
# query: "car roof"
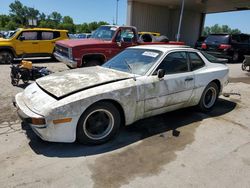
[[43, 29], [163, 48]]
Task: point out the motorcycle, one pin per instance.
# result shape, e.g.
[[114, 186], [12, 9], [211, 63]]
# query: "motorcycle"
[[26, 72]]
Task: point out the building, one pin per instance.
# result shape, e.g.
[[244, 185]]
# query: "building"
[[164, 15]]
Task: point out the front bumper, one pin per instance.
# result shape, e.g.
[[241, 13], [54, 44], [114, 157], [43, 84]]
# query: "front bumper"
[[71, 63], [49, 131]]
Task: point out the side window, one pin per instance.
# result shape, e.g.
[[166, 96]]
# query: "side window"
[[30, 35], [126, 35], [244, 39], [47, 35], [56, 34], [195, 61], [175, 62]]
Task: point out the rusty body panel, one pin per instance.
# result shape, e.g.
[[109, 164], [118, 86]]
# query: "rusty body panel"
[[69, 94]]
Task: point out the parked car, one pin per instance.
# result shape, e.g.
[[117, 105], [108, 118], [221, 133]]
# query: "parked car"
[[83, 35], [105, 43], [232, 47], [199, 42], [33, 42], [151, 33], [91, 104]]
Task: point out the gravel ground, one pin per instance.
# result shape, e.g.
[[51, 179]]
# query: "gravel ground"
[[213, 150]]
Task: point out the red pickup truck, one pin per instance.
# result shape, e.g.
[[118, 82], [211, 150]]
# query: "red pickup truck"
[[105, 42]]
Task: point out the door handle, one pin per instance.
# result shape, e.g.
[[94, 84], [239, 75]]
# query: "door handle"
[[34, 42], [189, 79]]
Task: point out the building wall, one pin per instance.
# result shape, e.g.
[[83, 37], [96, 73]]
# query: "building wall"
[[147, 17]]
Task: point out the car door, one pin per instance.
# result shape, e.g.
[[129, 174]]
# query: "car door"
[[125, 37], [174, 89], [47, 42], [28, 43]]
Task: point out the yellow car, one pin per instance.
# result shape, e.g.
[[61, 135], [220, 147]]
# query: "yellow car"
[[32, 42], [151, 33]]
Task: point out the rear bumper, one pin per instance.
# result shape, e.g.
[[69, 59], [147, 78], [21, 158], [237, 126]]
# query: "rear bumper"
[[71, 63]]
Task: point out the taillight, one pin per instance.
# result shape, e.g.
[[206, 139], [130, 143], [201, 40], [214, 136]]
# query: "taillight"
[[224, 46], [204, 46]]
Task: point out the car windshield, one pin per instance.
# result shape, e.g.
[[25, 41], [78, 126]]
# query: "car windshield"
[[11, 34], [222, 39], [104, 32], [136, 61]]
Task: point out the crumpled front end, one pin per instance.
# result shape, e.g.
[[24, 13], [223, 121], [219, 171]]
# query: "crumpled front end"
[[48, 128]]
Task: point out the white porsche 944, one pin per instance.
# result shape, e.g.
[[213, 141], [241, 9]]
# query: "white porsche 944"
[[90, 104]]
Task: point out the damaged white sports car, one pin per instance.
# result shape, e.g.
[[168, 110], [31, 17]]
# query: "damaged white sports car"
[[90, 104]]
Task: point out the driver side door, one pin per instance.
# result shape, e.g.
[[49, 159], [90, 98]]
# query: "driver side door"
[[28, 43], [173, 90]]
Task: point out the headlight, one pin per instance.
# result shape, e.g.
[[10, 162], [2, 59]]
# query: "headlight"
[[70, 53]]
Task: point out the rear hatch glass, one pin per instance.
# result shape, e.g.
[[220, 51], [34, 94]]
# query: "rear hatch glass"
[[217, 39]]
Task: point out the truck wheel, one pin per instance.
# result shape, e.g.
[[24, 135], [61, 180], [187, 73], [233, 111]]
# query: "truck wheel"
[[6, 57], [92, 63], [209, 97], [236, 57], [98, 124]]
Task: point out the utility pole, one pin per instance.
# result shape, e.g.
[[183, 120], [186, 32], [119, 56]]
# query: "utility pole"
[[180, 21], [117, 12]]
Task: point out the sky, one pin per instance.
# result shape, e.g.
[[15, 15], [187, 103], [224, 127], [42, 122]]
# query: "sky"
[[105, 10]]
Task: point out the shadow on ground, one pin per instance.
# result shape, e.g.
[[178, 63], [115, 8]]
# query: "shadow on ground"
[[138, 131]]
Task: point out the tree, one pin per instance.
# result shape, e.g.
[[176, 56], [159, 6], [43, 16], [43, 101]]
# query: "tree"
[[67, 20], [217, 29], [4, 20], [18, 12], [55, 16]]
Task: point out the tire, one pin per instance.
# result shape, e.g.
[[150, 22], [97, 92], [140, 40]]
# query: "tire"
[[243, 66], [15, 78], [25, 76], [6, 57], [209, 97], [92, 63], [98, 124], [236, 57]]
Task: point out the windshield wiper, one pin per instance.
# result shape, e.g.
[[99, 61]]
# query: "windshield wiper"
[[129, 67]]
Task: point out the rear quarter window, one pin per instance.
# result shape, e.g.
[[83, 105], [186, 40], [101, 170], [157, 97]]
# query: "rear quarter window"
[[195, 61], [56, 34]]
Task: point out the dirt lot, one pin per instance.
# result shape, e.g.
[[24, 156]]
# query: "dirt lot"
[[212, 150]]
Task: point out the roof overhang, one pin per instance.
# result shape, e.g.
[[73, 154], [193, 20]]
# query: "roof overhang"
[[204, 6]]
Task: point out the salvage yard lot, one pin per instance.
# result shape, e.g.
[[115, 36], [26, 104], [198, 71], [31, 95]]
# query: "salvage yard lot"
[[212, 150]]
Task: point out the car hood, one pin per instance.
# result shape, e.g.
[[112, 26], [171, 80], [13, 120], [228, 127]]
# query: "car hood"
[[63, 84], [80, 42]]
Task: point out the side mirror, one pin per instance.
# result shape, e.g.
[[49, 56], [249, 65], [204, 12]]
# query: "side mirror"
[[161, 73], [21, 38], [119, 44]]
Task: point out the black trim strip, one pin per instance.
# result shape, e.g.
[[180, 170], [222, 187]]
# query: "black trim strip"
[[82, 89]]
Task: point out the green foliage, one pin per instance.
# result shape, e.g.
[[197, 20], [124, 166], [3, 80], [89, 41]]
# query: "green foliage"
[[216, 29], [88, 28], [20, 14]]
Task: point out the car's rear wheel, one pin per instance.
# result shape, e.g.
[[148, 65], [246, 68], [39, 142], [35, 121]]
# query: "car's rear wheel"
[[98, 124], [6, 57], [209, 97]]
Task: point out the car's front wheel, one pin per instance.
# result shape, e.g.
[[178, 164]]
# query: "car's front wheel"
[[98, 124], [209, 97], [6, 57]]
